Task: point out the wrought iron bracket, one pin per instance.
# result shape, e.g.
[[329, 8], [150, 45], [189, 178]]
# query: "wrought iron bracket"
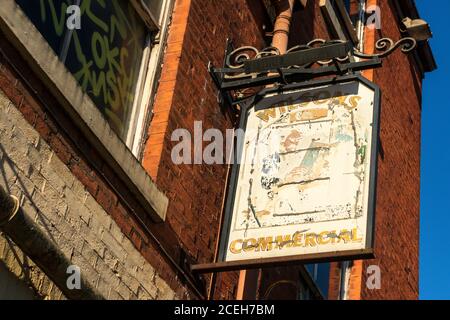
[[246, 70]]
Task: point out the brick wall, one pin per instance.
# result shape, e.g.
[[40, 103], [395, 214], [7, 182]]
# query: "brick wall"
[[88, 212], [308, 24], [186, 94], [21, 278], [398, 185], [70, 216], [398, 200]]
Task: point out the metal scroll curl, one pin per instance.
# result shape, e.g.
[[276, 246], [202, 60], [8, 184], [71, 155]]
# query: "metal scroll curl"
[[236, 58], [236, 82], [387, 46]]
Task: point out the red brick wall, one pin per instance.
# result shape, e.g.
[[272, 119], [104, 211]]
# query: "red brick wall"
[[398, 185], [187, 94], [335, 278], [308, 24], [398, 200]]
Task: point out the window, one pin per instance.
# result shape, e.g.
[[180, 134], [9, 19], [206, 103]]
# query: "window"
[[320, 274], [156, 8], [113, 56], [344, 18]]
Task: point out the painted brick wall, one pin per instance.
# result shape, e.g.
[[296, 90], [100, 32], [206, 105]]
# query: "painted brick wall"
[[21, 278], [63, 208]]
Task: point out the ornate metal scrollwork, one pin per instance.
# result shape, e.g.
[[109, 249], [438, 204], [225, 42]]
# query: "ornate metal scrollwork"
[[236, 58], [387, 46], [237, 80]]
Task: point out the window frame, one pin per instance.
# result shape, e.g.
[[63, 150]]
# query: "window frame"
[[148, 77], [339, 21], [343, 11]]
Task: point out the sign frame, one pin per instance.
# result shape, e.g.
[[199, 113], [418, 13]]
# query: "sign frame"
[[366, 253]]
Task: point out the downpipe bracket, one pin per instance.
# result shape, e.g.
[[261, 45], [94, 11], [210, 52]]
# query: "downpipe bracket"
[[9, 207]]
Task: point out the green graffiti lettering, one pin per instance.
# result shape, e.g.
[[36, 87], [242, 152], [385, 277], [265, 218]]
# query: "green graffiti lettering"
[[104, 56], [99, 50], [58, 24], [86, 9], [118, 23]]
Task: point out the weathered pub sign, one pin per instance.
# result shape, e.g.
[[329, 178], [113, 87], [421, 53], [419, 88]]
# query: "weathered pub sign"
[[303, 185]]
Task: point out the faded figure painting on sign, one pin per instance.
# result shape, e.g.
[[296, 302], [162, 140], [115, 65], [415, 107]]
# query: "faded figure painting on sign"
[[303, 182]]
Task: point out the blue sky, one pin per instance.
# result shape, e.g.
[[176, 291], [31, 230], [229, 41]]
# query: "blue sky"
[[435, 179]]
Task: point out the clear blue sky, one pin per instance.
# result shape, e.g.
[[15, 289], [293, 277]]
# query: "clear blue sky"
[[435, 186]]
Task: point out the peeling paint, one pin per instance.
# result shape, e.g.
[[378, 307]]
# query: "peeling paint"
[[314, 170]]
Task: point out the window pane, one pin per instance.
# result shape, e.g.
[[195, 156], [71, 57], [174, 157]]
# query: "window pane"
[[304, 293], [347, 5], [345, 2], [156, 7], [323, 277], [320, 274], [104, 56], [311, 269]]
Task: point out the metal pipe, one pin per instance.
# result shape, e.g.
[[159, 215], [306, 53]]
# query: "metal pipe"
[[282, 25], [29, 237]]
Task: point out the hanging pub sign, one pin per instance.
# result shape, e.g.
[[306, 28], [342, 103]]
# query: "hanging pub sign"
[[303, 183]]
